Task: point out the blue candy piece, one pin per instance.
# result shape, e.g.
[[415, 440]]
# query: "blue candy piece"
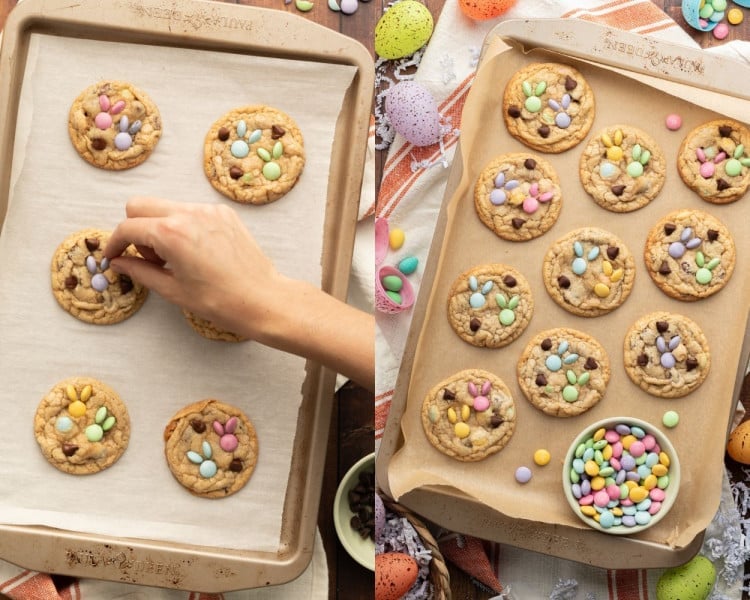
[[408, 265]]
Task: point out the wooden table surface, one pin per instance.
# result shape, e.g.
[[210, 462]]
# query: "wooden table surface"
[[352, 423]]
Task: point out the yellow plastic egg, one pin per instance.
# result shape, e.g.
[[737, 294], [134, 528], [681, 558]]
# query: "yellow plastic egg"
[[396, 238], [403, 29], [738, 445], [691, 581]]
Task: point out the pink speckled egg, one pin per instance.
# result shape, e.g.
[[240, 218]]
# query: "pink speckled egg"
[[482, 10], [413, 112]]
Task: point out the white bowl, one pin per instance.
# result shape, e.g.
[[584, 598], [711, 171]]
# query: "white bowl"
[[361, 550], [671, 490]]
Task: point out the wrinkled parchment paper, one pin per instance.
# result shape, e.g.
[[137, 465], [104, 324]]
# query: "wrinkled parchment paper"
[[154, 360]]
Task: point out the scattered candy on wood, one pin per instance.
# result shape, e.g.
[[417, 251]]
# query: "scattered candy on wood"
[[523, 474], [670, 419], [673, 122], [542, 457], [403, 29]]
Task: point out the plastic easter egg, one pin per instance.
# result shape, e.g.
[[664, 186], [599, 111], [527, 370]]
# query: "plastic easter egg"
[[482, 10], [403, 29], [395, 573], [738, 445], [413, 112], [691, 581]]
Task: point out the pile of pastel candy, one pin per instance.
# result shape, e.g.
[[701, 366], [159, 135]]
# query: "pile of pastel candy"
[[709, 15], [619, 476]]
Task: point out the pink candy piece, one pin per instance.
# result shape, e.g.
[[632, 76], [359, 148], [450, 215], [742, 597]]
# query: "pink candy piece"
[[721, 31], [657, 495], [530, 205], [481, 404], [617, 449], [612, 436], [486, 387], [103, 120], [601, 498], [586, 500], [230, 425], [615, 463], [649, 441], [229, 442], [654, 508], [637, 448], [626, 502], [117, 107], [673, 122], [104, 102], [613, 491]]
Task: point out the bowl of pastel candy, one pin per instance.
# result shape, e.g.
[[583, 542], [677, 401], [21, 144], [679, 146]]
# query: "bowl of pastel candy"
[[621, 475]]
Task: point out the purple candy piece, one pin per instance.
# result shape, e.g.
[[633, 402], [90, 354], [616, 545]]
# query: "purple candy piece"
[[627, 462], [91, 264], [498, 197], [622, 429], [123, 141], [676, 249], [667, 360], [99, 282], [523, 474], [500, 179], [628, 520]]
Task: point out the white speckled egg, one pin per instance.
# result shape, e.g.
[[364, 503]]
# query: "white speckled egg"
[[403, 29], [692, 581], [413, 112]]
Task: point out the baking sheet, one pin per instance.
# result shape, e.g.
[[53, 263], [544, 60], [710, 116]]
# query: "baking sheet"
[[154, 360], [415, 465]]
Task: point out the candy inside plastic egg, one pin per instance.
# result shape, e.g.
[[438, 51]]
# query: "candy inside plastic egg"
[[413, 112]]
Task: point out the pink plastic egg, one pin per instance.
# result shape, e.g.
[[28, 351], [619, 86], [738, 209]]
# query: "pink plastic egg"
[[413, 112]]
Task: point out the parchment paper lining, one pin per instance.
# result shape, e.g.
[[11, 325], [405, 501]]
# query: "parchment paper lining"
[[154, 360], [699, 439]]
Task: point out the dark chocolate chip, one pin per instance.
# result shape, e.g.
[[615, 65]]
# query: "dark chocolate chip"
[[691, 363], [722, 185], [642, 360], [664, 268], [475, 324], [618, 190], [570, 83], [662, 326], [530, 164], [496, 421], [223, 134], [236, 465], [98, 143], [669, 228], [712, 235], [563, 282], [71, 281], [725, 130], [546, 344], [277, 131], [198, 426], [514, 111], [69, 449], [448, 395], [613, 252], [126, 284], [590, 364], [517, 222], [544, 131], [541, 380], [510, 281], [92, 244], [235, 172]]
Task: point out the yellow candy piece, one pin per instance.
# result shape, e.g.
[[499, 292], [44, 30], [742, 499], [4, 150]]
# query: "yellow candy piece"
[[607, 268], [616, 275], [627, 440], [598, 483], [638, 494], [516, 197], [461, 430], [591, 468], [589, 511], [614, 153], [630, 485], [607, 452], [542, 457], [606, 140], [465, 412], [650, 482], [599, 434], [77, 408], [735, 16], [396, 238], [618, 137], [597, 516], [71, 393], [617, 511], [659, 470], [601, 290], [664, 458], [452, 416], [86, 393]]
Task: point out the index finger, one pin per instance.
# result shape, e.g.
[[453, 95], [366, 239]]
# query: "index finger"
[[133, 230]]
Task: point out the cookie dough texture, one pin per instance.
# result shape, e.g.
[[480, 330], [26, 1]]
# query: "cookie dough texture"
[[201, 426], [714, 160], [254, 154], [548, 106], [75, 263], [470, 415], [126, 111], [666, 354], [622, 168], [60, 429], [690, 254], [563, 372], [518, 196], [490, 305], [589, 272], [210, 331]]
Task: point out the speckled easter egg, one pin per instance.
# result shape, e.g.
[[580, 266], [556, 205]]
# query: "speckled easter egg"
[[395, 573], [691, 581], [738, 445], [413, 112], [481, 10], [403, 29]]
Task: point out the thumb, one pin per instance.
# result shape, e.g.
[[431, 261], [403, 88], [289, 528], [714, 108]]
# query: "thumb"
[[148, 274]]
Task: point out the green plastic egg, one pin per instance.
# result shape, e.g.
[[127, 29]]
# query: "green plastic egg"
[[403, 29], [692, 581]]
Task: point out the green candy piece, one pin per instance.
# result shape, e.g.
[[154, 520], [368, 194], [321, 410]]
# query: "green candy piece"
[[278, 150], [733, 167], [706, 11], [396, 297], [264, 154], [703, 276], [584, 378], [635, 169], [540, 88], [569, 393], [507, 316], [533, 104], [101, 414], [393, 283], [433, 414], [94, 433], [271, 171], [303, 5], [670, 419], [246, 178], [574, 477], [109, 423], [526, 87], [571, 377]]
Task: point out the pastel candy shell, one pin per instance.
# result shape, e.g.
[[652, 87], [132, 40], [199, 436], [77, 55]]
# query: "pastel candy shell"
[[385, 304], [691, 13]]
